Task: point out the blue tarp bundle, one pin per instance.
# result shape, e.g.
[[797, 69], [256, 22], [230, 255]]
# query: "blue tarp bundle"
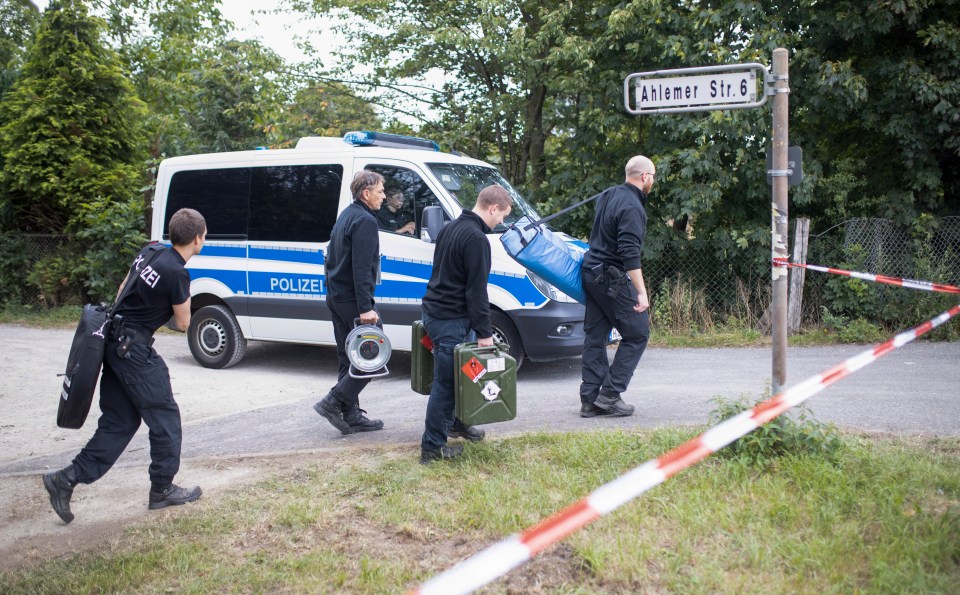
[[546, 255]]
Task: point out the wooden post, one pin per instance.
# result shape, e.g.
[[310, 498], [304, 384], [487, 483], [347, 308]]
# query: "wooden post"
[[797, 276]]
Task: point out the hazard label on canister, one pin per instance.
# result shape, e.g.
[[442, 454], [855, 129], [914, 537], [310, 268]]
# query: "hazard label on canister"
[[473, 369]]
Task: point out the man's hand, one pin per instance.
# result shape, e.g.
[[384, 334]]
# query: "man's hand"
[[488, 342], [642, 303], [370, 317], [408, 229]]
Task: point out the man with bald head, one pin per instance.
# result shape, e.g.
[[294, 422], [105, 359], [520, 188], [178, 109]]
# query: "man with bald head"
[[615, 292]]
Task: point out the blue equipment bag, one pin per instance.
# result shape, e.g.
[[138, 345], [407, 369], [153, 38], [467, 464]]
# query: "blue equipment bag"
[[538, 249], [546, 255]]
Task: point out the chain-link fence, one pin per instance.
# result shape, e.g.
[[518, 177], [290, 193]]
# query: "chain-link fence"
[[880, 246], [38, 270], [696, 287]]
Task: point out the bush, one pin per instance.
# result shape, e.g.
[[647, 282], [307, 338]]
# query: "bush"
[[855, 331], [54, 277], [114, 232], [799, 434], [12, 273]]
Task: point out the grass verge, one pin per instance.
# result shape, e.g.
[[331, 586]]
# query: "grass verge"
[[881, 515]]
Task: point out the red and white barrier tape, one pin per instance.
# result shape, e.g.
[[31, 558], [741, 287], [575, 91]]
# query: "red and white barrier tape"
[[911, 283], [495, 561]]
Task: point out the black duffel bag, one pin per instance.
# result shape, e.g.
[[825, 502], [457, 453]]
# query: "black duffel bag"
[[83, 366], [86, 354]]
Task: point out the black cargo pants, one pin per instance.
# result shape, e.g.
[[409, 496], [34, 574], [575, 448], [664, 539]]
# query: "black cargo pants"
[[132, 389], [347, 389], [610, 303]]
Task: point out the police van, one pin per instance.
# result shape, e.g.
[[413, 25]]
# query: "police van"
[[269, 213]]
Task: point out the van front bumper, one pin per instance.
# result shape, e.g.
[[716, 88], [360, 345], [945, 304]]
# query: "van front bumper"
[[552, 332]]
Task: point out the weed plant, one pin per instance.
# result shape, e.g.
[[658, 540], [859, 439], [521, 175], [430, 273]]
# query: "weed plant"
[[796, 433]]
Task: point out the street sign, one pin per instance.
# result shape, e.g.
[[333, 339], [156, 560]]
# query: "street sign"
[[733, 86], [794, 171]]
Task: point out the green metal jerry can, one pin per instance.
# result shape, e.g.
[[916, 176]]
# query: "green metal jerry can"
[[485, 383], [421, 360]]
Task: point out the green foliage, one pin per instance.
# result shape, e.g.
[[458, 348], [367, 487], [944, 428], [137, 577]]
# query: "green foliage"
[[12, 273], [857, 330], [54, 277], [330, 109], [901, 251], [237, 98], [789, 434], [71, 128], [679, 307], [164, 45], [114, 233], [18, 20]]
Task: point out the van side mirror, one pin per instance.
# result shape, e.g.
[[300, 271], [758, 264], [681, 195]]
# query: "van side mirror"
[[432, 221]]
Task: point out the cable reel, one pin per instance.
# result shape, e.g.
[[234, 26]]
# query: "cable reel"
[[368, 349]]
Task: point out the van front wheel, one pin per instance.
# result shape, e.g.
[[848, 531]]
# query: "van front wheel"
[[504, 331], [215, 338]]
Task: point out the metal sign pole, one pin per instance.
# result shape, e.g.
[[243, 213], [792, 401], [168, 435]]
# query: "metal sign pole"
[[780, 212]]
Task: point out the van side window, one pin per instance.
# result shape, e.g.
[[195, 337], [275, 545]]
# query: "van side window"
[[403, 216], [294, 203], [219, 194]]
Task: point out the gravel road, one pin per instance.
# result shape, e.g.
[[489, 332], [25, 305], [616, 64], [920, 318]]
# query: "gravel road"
[[264, 404]]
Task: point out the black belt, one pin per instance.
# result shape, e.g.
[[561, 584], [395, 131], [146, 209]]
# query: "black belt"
[[136, 333]]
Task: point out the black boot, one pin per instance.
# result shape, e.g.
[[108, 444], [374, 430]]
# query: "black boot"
[[613, 405], [329, 407], [358, 422], [60, 484], [444, 452], [462, 430], [171, 495]]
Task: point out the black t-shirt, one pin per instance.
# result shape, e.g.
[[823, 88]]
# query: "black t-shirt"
[[160, 285]]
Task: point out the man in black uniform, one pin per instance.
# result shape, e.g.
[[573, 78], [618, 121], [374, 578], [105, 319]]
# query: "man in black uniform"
[[391, 217], [135, 384], [456, 309], [352, 271], [615, 291]]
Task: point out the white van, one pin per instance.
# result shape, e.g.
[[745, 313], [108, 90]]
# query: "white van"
[[269, 214]]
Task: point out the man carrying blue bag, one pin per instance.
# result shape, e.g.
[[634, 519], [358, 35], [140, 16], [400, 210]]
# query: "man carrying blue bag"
[[615, 292]]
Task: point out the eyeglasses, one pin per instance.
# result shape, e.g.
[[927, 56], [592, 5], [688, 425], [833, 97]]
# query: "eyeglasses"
[[646, 173]]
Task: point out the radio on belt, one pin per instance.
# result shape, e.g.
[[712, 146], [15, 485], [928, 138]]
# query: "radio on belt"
[[485, 383], [368, 350]]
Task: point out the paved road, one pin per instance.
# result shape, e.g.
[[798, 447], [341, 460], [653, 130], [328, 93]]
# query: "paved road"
[[264, 404]]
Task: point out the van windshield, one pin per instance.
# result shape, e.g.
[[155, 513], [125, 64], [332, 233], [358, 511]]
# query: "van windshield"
[[464, 182]]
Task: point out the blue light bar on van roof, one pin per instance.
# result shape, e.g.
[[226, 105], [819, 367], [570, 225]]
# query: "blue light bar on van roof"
[[365, 138]]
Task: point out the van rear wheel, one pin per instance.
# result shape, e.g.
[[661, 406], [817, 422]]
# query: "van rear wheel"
[[215, 338], [504, 331]]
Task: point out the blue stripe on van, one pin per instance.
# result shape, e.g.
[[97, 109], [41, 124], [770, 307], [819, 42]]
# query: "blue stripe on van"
[[229, 251], [521, 288], [235, 280], [420, 270], [287, 255]]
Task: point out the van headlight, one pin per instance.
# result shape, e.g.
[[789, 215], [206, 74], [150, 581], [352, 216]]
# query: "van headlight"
[[549, 290]]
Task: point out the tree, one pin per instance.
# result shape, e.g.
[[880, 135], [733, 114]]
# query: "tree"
[[238, 97], [326, 109], [494, 103], [18, 20], [164, 43], [72, 131]]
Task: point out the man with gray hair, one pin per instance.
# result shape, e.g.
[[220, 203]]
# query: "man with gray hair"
[[615, 292], [352, 265]]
